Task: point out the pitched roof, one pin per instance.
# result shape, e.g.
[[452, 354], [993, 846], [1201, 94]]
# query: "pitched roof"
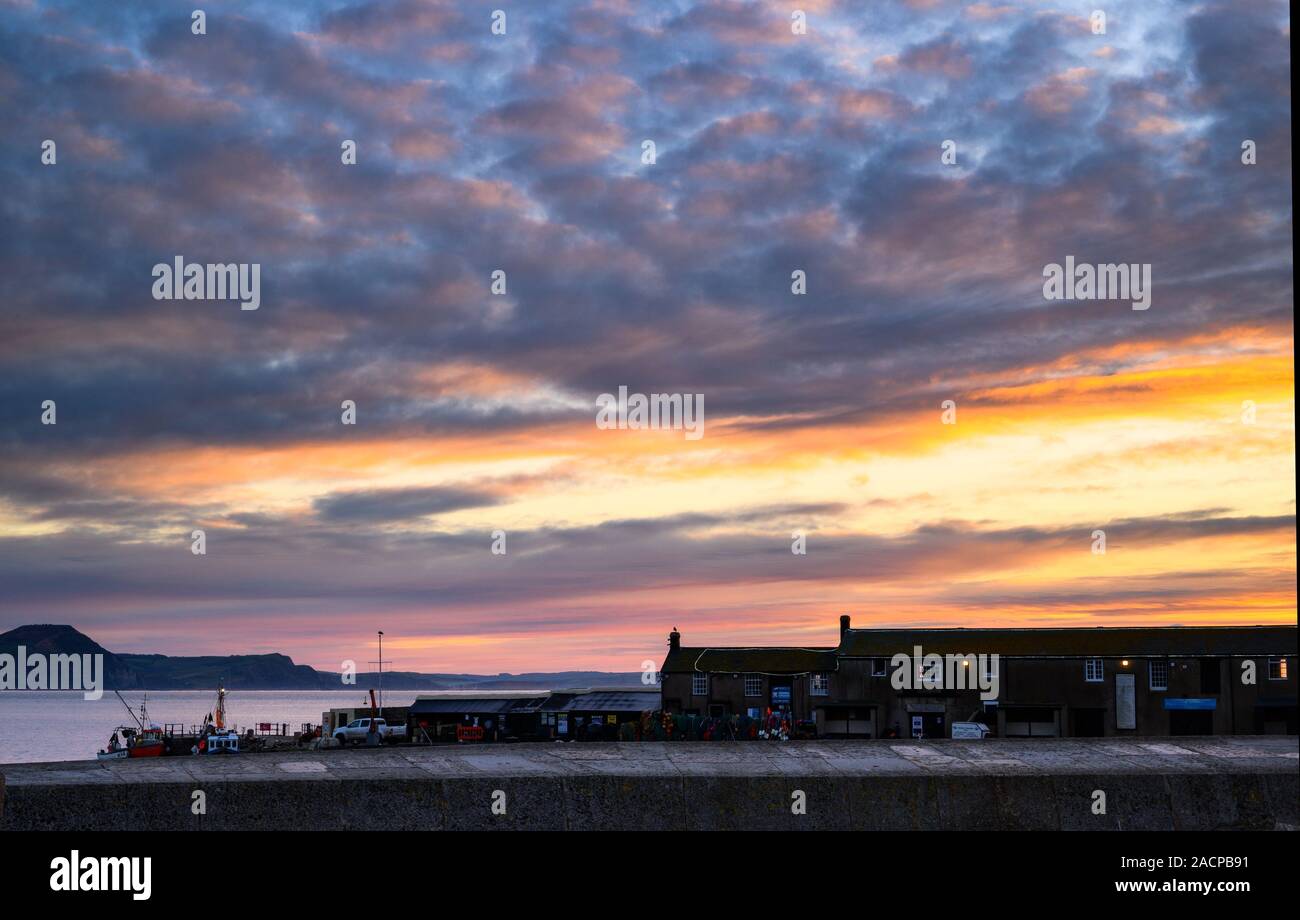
[[628, 700], [769, 660], [1098, 641], [429, 705], [613, 699]]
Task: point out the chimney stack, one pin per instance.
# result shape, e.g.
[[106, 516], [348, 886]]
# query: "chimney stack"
[[674, 640], [844, 625]]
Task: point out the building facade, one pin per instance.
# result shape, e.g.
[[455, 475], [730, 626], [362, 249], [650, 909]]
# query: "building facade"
[[579, 714], [915, 683]]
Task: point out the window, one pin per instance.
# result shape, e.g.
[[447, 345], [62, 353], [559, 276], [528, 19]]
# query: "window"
[[1093, 670], [819, 685], [1277, 669], [877, 667], [700, 684], [753, 685], [1158, 675]]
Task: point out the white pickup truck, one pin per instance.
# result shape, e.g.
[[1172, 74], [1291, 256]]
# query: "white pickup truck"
[[358, 730]]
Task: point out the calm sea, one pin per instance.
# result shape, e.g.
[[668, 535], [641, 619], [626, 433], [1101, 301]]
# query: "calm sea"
[[45, 725]]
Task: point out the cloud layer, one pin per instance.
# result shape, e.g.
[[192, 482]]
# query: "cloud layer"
[[522, 152]]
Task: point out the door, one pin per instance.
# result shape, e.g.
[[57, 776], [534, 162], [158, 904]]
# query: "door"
[[1275, 720], [846, 722], [1031, 722], [1125, 701], [1088, 723], [1191, 722], [928, 725]]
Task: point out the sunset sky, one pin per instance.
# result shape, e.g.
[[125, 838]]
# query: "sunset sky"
[[522, 152]]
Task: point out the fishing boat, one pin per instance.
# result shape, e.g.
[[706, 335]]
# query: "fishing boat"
[[226, 742], [215, 737], [143, 739]]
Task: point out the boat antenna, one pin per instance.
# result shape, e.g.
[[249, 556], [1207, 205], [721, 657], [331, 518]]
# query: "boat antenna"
[[130, 710]]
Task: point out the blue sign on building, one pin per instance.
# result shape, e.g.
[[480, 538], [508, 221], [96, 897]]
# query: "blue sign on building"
[[1189, 703]]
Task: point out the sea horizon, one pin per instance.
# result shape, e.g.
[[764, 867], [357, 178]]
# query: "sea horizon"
[[74, 728]]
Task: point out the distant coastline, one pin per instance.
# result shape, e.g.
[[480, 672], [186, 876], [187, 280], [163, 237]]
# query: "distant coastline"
[[273, 671]]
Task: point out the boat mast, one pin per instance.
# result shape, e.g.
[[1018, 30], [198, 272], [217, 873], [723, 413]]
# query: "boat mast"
[[380, 662], [131, 711]]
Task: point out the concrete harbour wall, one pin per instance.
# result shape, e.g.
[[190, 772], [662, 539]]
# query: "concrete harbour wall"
[[709, 787]]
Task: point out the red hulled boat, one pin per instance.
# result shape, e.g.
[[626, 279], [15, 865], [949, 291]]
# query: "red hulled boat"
[[144, 739]]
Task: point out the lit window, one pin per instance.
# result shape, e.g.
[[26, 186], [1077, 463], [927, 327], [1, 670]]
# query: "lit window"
[[1092, 670], [1159, 675], [1277, 669], [700, 684], [819, 685], [753, 685]]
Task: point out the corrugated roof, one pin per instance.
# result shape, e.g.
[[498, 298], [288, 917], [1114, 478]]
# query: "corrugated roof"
[[531, 705], [469, 705], [614, 701], [1100, 641], [557, 701], [772, 660]]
